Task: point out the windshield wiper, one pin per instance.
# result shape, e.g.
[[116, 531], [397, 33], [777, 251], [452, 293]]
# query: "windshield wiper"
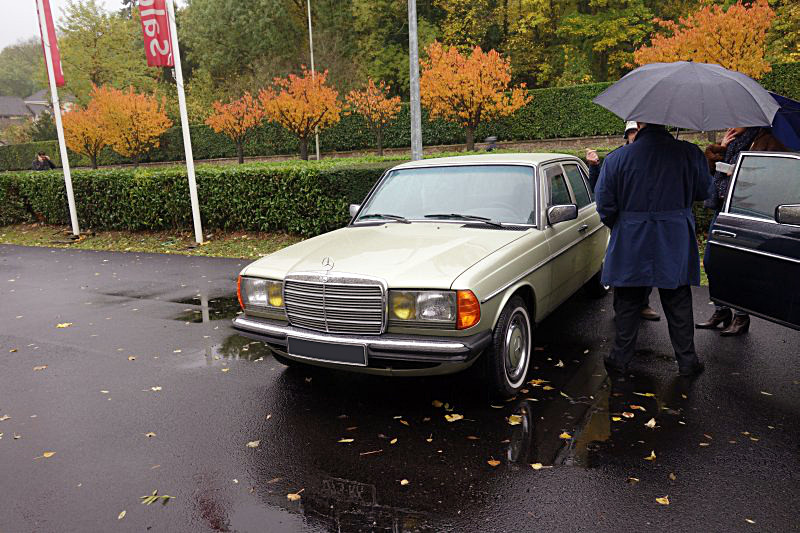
[[398, 218], [476, 218]]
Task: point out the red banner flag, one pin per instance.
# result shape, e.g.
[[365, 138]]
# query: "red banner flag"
[[157, 37], [51, 34]]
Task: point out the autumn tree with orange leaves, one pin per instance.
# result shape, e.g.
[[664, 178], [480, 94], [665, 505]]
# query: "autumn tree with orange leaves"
[[734, 38], [133, 122], [236, 120], [468, 88], [373, 103], [302, 104], [83, 132]]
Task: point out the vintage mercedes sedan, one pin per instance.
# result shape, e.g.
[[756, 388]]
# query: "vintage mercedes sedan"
[[448, 262]]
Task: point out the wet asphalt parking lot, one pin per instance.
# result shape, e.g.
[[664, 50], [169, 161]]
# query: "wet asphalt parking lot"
[[146, 348]]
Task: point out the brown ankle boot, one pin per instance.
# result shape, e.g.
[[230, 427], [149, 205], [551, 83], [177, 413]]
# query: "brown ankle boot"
[[740, 325], [723, 316]]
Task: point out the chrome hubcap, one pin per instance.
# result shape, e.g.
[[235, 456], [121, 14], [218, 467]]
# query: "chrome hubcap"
[[517, 346]]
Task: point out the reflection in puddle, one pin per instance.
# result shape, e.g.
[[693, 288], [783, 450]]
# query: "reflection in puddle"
[[212, 309], [239, 347]]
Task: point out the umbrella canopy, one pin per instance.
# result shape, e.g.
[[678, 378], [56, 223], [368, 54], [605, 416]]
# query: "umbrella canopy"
[[690, 95], [786, 125]]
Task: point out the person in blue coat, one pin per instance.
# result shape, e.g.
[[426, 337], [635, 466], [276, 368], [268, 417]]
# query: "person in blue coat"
[[645, 194]]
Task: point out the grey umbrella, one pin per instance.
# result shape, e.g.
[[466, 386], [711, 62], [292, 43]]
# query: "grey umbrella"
[[697, 96]]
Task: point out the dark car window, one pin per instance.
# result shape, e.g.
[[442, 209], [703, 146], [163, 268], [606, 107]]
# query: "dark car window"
[[763, 183], [578, 185], [588, 185], [559, 194]]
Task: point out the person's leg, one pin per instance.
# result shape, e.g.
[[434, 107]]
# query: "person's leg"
[[627, 309], [739, 326], [722, 314], [677, 304]]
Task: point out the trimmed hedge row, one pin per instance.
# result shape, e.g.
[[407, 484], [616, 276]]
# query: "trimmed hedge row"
[[302, 198], [784, 79]]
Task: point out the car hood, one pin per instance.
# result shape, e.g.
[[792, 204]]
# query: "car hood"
[[417, 255]]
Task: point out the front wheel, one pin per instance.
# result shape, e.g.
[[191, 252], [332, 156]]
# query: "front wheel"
[[509, 356]]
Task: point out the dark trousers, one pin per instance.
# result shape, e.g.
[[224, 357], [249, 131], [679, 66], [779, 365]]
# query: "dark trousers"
[[677, 304]]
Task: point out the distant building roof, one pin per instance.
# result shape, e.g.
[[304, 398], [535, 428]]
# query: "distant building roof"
[[43, 96], [13, 106]]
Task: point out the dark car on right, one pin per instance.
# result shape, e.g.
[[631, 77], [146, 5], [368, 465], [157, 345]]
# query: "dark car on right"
[[755, 241]]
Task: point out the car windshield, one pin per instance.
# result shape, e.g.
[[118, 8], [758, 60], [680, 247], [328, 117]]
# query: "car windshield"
[[478, 193]]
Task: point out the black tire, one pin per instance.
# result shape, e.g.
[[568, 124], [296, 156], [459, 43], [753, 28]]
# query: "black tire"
[[508, 358], [594, 288]]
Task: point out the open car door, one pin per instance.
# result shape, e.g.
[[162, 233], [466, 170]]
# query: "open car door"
[[754, 255]]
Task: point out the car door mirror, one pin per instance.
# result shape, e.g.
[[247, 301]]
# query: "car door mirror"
[[788, 214], [354, 209], [562, 213]]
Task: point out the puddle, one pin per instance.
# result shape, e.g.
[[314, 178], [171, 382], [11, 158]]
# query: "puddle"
[[219, 308]]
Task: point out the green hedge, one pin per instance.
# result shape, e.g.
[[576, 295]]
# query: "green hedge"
[[303, 198], [784, 79]]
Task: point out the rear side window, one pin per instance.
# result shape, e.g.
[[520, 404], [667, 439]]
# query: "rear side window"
[[764, 183], [575, 178], [559, 194]]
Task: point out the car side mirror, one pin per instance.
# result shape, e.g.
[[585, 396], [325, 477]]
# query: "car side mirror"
[[562, 213], [788, 214], [354, 209]]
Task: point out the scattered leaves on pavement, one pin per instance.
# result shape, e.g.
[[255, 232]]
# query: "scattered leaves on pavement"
[[154, 497], [131, 358], [633, 480], [254, 444], [64, 325], [404, 482], [514, 420], [346, 441], [393, 441], [121, 515], [294, 496], [493, 462], [626, 414], [765, 393], [4, 417], [565, 435], [651, 457], [453, 417], [225, 369], [437, 403], [645, 394], [650, 423], [664, 500], [150, 434], [672, 476], [638, 408], [749, 521]]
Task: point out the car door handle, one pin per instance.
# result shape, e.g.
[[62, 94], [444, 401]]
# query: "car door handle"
[[721, 233], [583, 228]]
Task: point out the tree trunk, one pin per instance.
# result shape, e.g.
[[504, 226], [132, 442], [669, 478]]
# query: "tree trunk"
[[93, 157], [470, 138], [240, 152], [304, 148], [380, 141], [136, 161]]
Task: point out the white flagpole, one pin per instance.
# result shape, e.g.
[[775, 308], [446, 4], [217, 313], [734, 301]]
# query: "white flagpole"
[[187, 141], [62, 146], [313, 72], [413, 67]]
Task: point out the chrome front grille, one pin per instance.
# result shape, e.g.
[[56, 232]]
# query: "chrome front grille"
[[335, 303]]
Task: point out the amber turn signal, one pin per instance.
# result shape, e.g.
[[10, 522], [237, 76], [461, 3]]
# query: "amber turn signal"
[[469, 310], [239, 291]]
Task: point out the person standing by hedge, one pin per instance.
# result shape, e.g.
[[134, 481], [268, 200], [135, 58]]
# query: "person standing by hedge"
[[42, 162], [631, 129]]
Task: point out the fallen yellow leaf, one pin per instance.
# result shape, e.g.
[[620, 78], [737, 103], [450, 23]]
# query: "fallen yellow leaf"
[[514, 420], [48, 455], [616, 418], [404, 482], [404, 423], [12, 350], [626, 414], [40, 367], [453, 417], [4, 417], [565, 435], [64, 325], [650, 423], [149, 434], [294, 496], [645, 394], [538, 382], [493, 462], [121, 515], [393, 441], [633, 480], [345, 441], [131, 358], [253, 444], [765, 393], [537, 466], [225, 369], [155, 389], [638, 407], [437, 403], [664, 500], [547, 387], [749, 521], [651, 457], [672, 476], [472, 437]]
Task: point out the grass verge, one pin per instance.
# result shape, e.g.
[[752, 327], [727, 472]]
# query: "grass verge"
[[240, 244]]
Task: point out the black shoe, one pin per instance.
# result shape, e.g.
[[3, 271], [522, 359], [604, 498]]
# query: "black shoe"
[[613, 369], [694, 370], [720, 316], [740, 325], [648, 313]]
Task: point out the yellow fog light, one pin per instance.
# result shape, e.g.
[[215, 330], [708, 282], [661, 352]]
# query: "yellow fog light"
[[275, 295], [403, 305]]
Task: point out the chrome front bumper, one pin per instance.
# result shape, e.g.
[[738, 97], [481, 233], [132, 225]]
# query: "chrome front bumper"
[[386, 354]]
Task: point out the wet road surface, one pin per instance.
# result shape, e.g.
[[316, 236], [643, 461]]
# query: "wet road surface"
[[148, 349]]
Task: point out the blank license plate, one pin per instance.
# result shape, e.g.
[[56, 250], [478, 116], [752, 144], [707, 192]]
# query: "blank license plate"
[[348, 354]]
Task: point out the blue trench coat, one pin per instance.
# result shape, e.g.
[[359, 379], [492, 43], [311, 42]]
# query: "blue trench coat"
[[645, 194]]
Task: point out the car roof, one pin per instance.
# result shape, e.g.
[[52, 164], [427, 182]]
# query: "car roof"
[[484, 159]]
